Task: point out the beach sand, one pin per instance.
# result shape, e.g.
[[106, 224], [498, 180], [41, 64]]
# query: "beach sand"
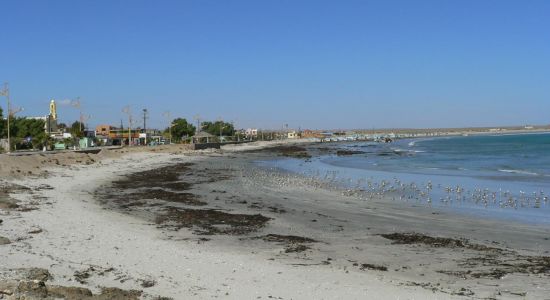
[[210, 224]]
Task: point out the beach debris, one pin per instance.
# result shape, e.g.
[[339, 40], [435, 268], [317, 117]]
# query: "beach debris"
[[35, 230], [30, 289], [159, 177], [296, 248], [83, 275], [31, 283], [4, 240], [491, 263], [290, 239], [287, 150], [418, 238], [147, 283], [44, 187], [349, 152], [437, 287], [7, 203], [277, 210], [86, 294], [161, 194], [365, 266], [211, 221], [39, 274], [292, 243]]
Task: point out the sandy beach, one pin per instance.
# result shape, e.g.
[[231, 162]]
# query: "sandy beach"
[[180, 224]]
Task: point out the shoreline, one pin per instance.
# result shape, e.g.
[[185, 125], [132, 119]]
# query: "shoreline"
[[360, 164], [342, 252]]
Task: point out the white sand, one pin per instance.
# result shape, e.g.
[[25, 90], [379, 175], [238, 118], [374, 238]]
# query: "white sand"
[[77, 233]]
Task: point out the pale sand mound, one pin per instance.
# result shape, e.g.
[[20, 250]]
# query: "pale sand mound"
[[35, 164]]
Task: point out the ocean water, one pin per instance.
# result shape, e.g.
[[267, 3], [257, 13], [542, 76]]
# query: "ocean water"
[[493, 176]]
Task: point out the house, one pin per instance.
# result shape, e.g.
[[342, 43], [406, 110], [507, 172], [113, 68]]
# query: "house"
[[204, 140], [311, 134], [292, 135], [203, 137], [251, 132], [86, 142], [103, 131]]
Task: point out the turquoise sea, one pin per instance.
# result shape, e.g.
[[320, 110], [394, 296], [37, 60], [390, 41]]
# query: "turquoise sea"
[[493, 176]]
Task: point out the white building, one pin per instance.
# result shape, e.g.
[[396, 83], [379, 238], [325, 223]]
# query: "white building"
[[251, 132], [292, 135]]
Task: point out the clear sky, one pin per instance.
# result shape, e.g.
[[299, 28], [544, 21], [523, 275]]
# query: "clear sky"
[[264, 63]]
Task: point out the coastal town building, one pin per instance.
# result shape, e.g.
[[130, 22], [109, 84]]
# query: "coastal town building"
[[307, 133], [50, 125], [203, 137], [102, 131], [251, 132], [110, 135], [292, 134], [50, 122]]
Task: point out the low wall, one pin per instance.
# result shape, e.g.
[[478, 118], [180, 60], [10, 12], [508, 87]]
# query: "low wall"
[[4, 144], [206, 146]]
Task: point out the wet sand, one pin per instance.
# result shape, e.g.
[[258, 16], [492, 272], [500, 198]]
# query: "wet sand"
[[214, 225]]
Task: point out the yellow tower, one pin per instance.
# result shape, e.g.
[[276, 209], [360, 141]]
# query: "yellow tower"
[[53, 110]]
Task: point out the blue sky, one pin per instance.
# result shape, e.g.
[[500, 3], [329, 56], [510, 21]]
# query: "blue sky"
[[309, 64]]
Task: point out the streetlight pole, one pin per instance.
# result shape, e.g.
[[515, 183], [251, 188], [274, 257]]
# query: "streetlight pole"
[[6, 92]]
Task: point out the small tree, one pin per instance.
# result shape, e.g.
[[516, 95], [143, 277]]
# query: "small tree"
[[181, 128], [44, 141], [2, 124], [77, 129], [62, 127], [27, 133], [69, 142], [215, 128]]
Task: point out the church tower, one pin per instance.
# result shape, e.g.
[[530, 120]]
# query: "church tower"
[[51, 120], [53, 110]]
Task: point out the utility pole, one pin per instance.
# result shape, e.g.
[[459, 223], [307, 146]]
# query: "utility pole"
[[130, 123], [166, 114], [235, 131], [83, 121], [6, 92], [76, 104], [145, 113], [127, 111], [198, 119], [220, 120]]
